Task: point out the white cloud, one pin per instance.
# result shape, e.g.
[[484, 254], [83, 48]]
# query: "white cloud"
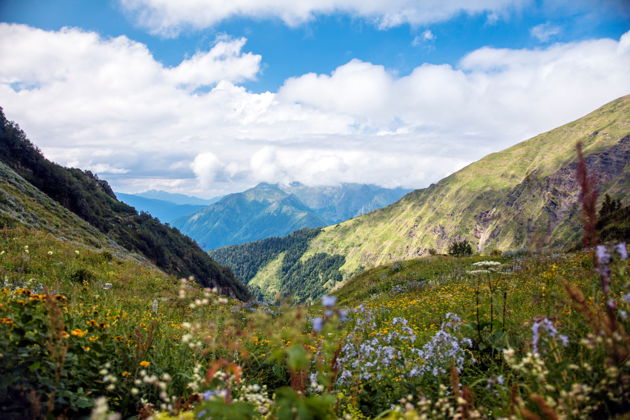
[[108, 105], [426, 36], [545, 31], [224, 61], [207, 167], [167, 17]]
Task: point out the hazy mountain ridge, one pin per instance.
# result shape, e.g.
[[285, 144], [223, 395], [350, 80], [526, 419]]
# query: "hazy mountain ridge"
[[270, 210], [524, 196], [165, 211], [176, 198], [91, 199]]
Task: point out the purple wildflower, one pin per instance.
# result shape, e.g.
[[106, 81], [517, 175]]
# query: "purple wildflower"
[[603, 257], [328, 301], [318, 324], [551, 330], [621, 250]]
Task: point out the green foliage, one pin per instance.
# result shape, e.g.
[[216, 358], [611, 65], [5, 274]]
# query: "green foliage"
[[299, 279], [92, 199], [460, 248]]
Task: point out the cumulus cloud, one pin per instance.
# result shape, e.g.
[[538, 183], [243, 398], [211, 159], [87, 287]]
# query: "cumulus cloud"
[[109, 106], [168, 17], [545, 31]]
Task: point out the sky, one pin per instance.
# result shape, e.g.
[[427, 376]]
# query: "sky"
[[208, 97]]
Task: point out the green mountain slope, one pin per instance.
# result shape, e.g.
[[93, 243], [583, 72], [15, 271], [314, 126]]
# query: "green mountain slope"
[[524, 196], [92, 200]]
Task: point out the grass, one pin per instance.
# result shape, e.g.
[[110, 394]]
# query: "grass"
[[79, 324]]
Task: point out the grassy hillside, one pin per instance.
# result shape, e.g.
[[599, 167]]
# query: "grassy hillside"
[[507, 200], [23, 204], [523, 197], [460, 335], [82, 193]]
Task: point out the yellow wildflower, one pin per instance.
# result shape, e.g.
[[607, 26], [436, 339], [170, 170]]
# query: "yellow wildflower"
[[144, 363], [77, 332]]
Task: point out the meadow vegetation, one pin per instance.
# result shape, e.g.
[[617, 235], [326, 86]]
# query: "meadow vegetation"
[[516, 336]]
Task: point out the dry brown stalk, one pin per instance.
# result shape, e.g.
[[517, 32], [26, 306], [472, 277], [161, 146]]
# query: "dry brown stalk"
[[588, 198], [544, 407]]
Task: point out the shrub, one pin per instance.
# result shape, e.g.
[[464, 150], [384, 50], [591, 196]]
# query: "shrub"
[[460, 249]]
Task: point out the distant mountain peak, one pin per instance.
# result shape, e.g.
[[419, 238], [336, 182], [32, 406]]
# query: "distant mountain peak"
[[268, 210]]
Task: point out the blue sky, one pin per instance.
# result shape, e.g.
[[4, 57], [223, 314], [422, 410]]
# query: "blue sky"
[[329, 41], [272, 81]]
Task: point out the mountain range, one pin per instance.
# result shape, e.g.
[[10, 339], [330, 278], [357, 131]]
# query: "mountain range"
[[271, 210], [526, 196]]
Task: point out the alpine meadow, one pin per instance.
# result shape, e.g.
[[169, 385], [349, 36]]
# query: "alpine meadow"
[[394, 210]]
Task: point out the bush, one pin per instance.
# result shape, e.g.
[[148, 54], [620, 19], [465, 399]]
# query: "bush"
[[460, 249], [82, 276]]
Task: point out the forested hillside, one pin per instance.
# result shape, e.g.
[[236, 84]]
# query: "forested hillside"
[[93, 200], [290, 276]]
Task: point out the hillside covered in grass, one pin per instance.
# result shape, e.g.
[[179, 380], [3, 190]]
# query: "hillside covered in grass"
[[518, 336], [522, 197], [92, 200]]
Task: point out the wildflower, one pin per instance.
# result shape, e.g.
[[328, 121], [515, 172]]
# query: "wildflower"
[[318, 324], [621, 250], [134, 391], [209, 394], [154, 308], [328, 301], [76, 251], [487, 264], [125, 373], [603, 257], [77, 332], [50, 252], [551, 330], [7, 321], [144, 363], [107, 286]]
